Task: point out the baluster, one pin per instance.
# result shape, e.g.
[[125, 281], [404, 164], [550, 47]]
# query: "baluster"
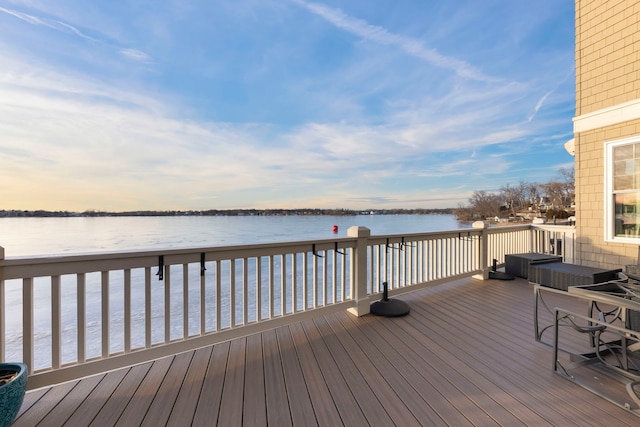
[[147, 307], [232, 290], [185, 300], [334, 276], [106, 346], [343, 275], [245, 291], [27, 322], [324, 280], [2, 316], [167, 303], [305, 279], [283, 284], [127, 310], [218, 295], [294, 283], [56, 322], [420, 261], [314, 282], [271, 290], [203, 297], [259, 289]]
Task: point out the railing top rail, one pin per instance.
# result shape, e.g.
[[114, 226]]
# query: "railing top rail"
[[508, 228], [321, 244], [554, 227], [134, 253], [37, 266], [399, 237]]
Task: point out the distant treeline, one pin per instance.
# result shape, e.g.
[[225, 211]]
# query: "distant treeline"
[[222, 212]]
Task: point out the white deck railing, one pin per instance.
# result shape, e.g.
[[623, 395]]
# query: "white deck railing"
[[548, 239], [70, 316]]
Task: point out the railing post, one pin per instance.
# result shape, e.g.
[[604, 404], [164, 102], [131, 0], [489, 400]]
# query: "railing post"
[[483, 250], [1, 258], [2, 308], [359, 271], [532, 238]]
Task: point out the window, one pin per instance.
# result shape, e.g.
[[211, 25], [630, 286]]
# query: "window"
[[622, 205]]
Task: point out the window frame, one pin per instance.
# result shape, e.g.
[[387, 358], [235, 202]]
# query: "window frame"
[[609, 194]]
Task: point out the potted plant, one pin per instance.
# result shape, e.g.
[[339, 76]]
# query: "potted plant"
[[13, 385]]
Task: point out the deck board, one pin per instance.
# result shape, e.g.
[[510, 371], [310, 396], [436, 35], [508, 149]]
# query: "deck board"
[[325, 411], [53, 398], [187, 400], [254, 411], [113, 408], [369, 403], [297, 393], [345, 402], [488, 351], [415, 406], [97, 397], [164, 401], [275, 389], [140, 402], [213, 383], [490, 399], [475, 357], [83, 390], [465, 355], [538, 381], [385, 396], [428, 381], [233, 392]]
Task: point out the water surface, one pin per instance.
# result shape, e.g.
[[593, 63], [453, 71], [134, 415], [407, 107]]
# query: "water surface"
[[50, 236]]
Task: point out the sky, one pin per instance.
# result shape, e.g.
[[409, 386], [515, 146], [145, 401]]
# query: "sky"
[[236, 104]]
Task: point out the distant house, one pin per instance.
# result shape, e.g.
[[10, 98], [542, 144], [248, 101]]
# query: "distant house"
[[607, 132]]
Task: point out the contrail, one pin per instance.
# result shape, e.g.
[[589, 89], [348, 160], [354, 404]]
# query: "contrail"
[[380, 35]]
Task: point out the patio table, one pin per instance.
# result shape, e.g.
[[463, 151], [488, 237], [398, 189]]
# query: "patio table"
[[613, 326]]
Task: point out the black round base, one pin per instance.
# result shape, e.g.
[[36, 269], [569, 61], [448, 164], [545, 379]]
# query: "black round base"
[[390, 308], [500, 275]]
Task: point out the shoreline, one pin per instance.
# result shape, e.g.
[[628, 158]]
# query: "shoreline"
[[222, 212]]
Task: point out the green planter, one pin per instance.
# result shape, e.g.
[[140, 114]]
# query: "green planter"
[[12, 392]]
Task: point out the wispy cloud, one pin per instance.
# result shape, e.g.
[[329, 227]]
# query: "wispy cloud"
[[380, 35], [277, 116], [136, 55], [25, 17], [60, 26], [77, 32], [543, 99], [539, 105]]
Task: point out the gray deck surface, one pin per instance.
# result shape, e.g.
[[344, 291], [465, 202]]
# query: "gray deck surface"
[[465, 355]]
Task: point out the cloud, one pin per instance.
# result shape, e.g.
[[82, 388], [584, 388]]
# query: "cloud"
[[380, 35], [543, 99], [220, 126], [136, 55], [25, 17], [60, 26], [134, 152], [77, 32]]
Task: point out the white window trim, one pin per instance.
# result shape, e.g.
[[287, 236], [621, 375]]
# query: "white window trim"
[[609, 234]]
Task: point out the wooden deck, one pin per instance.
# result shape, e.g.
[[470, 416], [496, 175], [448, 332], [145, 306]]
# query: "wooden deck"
[[465, 355]]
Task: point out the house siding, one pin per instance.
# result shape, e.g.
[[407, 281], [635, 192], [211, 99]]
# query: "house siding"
[[607, 75], [607, 57], [593, 250]]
